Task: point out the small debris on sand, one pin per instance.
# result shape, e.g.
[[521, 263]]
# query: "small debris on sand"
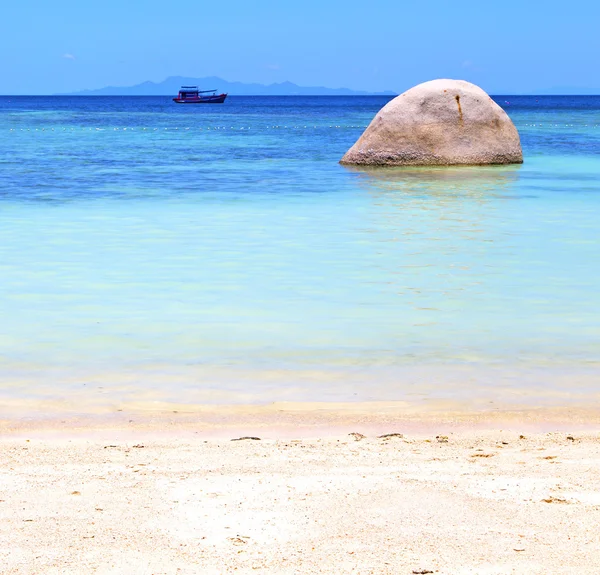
[[554, 500], [442, 438], [483, 455], [357, 436], [238, 540], [246, 437], [390, 435], [421, 571]]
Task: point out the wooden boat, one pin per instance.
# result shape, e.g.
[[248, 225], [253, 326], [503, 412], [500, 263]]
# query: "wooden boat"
[[191, 95]]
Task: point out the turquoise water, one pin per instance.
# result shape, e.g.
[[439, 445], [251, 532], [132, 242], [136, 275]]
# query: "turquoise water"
[[202, 254]]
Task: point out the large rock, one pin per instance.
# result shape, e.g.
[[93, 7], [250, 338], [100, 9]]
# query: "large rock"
[[442, 122]]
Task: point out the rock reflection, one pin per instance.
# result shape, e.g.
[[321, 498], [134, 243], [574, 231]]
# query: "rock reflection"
[[442, 257], [439, 182]]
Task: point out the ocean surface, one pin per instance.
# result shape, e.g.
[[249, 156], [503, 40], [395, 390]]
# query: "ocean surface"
[[157, 254]]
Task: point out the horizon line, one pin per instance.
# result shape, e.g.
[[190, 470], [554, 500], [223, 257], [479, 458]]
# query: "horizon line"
[[368, 95]]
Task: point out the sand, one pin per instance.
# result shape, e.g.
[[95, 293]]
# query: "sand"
[[485, 493]]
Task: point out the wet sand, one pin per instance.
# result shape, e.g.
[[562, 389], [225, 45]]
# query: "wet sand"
[[460, 492]]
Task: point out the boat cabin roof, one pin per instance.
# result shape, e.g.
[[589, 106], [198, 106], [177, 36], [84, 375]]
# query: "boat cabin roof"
[[194, 89]]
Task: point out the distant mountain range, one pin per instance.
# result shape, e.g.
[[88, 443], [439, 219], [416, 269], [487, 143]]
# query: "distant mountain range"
[[171, 86]]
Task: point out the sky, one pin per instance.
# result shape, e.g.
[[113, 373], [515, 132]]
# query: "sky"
[[506, 46]]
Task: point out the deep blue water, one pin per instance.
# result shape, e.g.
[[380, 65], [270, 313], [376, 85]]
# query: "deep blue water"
[[221, 254]]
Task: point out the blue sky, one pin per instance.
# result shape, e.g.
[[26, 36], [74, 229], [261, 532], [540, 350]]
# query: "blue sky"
[[505, 46]]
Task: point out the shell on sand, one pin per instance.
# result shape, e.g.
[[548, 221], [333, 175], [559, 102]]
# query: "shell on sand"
[[441, 122]]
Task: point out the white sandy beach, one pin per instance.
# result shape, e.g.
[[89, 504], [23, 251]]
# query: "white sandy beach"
[[456, 494]]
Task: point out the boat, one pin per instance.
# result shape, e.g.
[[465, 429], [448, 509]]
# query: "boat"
[[191, 95]]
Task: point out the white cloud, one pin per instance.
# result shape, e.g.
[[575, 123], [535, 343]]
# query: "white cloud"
[[68, 56]]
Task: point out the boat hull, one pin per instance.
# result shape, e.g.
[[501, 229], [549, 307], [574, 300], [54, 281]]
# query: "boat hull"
[[218, 99]]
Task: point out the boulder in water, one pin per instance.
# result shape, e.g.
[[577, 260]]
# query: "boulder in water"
[[438, 123]]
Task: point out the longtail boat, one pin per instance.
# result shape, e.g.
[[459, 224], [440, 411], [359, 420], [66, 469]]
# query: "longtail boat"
[[191, 95]]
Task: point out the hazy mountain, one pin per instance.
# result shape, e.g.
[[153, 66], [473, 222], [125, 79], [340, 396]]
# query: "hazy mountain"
[[170, 87]]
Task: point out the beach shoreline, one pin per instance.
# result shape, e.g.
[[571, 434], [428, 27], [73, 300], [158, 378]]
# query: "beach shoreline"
[[280, 420]]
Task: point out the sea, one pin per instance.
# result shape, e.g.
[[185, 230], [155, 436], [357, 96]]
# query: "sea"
[[154, 255]]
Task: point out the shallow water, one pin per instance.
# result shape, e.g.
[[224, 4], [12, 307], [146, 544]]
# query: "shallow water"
[[154, 252]]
